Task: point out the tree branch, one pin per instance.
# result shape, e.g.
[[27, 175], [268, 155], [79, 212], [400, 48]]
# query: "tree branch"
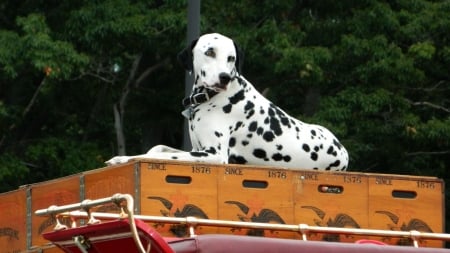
[[434, 87], [425, 103], [150, 70], [26, 110], [33, 99], [119, 107], [428, 153]]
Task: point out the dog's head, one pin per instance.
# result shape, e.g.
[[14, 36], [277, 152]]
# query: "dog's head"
[[214, 59]]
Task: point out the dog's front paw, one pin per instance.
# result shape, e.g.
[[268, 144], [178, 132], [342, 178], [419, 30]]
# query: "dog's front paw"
[[118, 160]]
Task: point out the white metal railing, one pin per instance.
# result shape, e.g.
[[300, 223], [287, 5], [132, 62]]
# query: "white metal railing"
[[124, 201], [73, 211]]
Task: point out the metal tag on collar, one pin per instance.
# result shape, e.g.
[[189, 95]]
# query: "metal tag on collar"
[[200, 98], [187, 112]]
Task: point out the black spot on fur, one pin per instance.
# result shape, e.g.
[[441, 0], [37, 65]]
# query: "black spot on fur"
[[196, 79], [253, 126], [316, 148], [234, 159], [313, 132], [277, 157], [274, 123], [218, 134], [306, 148], [198, 154], [331, 151], [260, 130], [249, 106], [238, 125], [174, 157], [245, 143], [260, 153], [275, 126], [335, 164], [227, 108], [232, 142], [279, 147], [268, 136], [314, 156], [338, 145], [237, 97], [211, 150], [250, 114], [203, 73], [249, 109]]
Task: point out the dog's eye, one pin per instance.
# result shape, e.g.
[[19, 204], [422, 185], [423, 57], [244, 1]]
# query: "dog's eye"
[[231, 59], [210, 52]]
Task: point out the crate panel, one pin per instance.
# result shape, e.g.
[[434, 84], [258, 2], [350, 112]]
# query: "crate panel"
[[57, 192], [13, 233], [328, 199], [179, 190], [256, 195], [406, 203], [108, 181]]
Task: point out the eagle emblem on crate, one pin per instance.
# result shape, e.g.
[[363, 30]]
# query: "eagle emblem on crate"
[[401, 224], [174, 210], [341, 220], [250, 215]]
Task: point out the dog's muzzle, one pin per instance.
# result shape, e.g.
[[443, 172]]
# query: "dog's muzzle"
[[224, 80]]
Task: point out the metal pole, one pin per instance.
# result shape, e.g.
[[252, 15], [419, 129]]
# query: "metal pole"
[[193, 32]]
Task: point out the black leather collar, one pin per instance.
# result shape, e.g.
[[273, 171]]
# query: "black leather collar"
[[199, 97], [203, 95]]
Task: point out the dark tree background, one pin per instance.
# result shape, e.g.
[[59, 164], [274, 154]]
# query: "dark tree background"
[[82, 81]]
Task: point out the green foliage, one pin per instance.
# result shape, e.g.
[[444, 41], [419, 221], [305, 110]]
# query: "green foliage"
[[34, 47], [12, 172]]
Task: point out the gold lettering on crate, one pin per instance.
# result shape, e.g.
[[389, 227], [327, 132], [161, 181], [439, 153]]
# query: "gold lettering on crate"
[[383, 180], [352, 179], [157, 166], [309, 176], [201, 169], [426, 185], [277, 174], [234, 171]]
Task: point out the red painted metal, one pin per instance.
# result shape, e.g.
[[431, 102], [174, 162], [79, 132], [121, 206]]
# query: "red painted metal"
[[110, 236], [115, 236]]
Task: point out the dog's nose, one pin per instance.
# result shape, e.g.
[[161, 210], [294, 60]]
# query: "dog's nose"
[[224, 78]]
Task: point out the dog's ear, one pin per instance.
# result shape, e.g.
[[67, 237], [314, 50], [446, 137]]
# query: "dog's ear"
[[239, 58], [185, 57]]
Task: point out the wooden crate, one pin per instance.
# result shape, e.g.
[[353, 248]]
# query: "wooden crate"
[[13, 233], [58, 192], [330, 199], [255, 195], [237, 193], [178, 190], [105, 182], [405, 203]]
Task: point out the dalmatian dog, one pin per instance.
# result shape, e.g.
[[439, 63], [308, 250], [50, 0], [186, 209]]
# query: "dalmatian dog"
[[231, 122]]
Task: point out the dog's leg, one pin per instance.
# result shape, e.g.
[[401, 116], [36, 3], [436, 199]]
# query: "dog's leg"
[[168, 153], [163, 149]]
